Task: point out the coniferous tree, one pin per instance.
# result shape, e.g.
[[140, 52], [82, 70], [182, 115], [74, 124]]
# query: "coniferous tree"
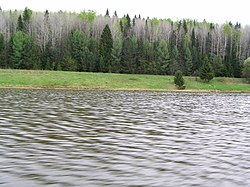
[[3, 52], [206, 71], [20, 26], [178, 80], [105, 50], [246, 69], [188, 61], [163, 57], [116, 56], [30, 54], [17, 49], [79, 50], [27, 20], [107, 13]]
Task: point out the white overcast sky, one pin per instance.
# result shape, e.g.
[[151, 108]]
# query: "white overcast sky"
[[218, 11]]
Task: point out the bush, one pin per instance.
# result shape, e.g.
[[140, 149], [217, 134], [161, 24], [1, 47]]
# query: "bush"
[[178, 80]]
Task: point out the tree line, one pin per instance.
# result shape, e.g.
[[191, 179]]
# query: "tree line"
[[90, 42]]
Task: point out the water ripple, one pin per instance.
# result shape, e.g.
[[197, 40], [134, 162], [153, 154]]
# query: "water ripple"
[[117, 138]]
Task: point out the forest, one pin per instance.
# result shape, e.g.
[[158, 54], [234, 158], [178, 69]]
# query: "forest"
[[90, 42]]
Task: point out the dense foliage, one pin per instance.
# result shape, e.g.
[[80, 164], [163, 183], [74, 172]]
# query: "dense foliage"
[[206, 71], [246, 69], [94, 43]]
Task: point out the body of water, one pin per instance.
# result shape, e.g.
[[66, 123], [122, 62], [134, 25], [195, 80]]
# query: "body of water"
[[119, 138]]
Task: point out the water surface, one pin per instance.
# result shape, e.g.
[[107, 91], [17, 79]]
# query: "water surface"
[[119, 138]]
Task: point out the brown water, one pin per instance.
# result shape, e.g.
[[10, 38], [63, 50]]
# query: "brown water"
[[117, 138]]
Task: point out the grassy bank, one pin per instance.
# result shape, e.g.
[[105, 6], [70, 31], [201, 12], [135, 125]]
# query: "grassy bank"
[[82, 80]]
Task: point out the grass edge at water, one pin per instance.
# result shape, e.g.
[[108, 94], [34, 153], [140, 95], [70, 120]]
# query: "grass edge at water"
[[37, 79]]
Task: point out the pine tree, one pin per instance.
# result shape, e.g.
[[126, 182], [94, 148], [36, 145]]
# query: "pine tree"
[[105, 49], [206, 71]]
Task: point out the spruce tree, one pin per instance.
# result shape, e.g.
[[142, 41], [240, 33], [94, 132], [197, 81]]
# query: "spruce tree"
[[178, 80], [3, 52], [79, 49], [20, 26], [163, 57], [206, 71], [107, 13], [105, 50], [188, 61], [26, 20]]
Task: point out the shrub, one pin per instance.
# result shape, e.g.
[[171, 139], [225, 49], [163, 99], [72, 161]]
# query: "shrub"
[[178, 80]]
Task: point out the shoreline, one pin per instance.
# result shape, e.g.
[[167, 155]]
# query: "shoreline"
[[119, 89]]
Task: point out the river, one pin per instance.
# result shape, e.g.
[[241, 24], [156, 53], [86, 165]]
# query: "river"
[[123, 138]]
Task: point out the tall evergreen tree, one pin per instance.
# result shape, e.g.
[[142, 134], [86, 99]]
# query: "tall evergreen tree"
[[107, 13], [79, 50], [18, 48], [188, 61], [163, 57], [30, 54], [105, 50], [27, 20], [24, 52], [20, 26], [206, 71], [3, 52], [116, 56]]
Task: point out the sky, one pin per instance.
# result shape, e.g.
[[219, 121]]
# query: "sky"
[[217, 11]]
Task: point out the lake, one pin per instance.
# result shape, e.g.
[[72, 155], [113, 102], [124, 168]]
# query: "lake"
[[123, 138]]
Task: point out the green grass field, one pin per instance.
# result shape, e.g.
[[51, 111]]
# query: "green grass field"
[[83, 80]]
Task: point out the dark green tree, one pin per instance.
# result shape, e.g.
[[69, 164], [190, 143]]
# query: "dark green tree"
[[246, 69], [47, 57], [79, 50], [27, 20], [20, 26], [116, 56], [3, 52], [18, 46], [105, 50], [188, 61], [30, 54], [107, 13], [163, 57], [126, 56], [178, 80], [24, 52], [206, 71]]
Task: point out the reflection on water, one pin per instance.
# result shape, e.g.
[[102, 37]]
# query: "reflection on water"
[[117, 138]]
